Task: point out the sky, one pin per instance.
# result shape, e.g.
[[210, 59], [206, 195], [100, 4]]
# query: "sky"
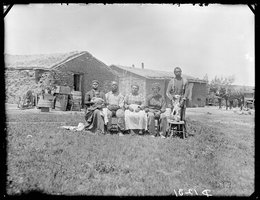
[[217, 40]]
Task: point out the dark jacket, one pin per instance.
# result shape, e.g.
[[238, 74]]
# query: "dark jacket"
[[94, 93]]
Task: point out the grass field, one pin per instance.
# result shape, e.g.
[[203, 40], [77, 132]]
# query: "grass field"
[[219, 158]]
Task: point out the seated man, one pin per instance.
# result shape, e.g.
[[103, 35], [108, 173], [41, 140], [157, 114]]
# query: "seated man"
[[115, 107], [95, 102], [156, 107]]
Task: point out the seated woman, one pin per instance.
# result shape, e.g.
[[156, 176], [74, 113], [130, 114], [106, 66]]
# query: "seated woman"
[[95, 102], [135, 116], [156, 107]]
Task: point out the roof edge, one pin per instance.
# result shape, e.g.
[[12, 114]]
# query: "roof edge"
[[127, 71], [76, 55], [55, 66], [197, 80]]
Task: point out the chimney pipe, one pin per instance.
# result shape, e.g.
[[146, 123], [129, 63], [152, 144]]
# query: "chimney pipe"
[[142, 65]]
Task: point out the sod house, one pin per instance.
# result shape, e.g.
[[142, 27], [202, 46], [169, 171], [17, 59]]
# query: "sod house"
[[74, 69]]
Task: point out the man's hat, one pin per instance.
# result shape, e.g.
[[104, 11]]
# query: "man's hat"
[[156, 85], [95, 81], [135, 84]]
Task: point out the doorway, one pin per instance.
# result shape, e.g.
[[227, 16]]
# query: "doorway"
[[77, 82]]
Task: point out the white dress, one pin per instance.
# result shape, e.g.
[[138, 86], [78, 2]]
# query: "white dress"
[[135, 120]]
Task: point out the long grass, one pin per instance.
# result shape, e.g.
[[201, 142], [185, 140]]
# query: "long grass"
[[44, 157]]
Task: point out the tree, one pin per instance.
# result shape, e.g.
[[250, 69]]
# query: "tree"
[[221, 85], [206, 77]]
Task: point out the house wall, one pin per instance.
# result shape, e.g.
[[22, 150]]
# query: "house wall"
[[168, 101], [126, 81], [199, 94], [149, 85], [64, 78]]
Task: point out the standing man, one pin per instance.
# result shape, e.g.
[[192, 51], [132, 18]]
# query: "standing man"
[[94, 103], [231, 101], [242, 98], [115, 106], [226, 97], [178, 86], [219, 98]]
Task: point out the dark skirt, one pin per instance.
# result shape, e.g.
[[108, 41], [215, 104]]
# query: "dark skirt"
[[94, 120]]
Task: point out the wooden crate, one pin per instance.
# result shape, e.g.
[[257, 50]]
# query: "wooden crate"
[[45, 109], [76, 95], [44, 103], [63, 90], [48, 97], [61, 102], [76, 100], [76, 106]]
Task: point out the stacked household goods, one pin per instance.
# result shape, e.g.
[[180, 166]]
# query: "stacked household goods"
[[61, 97], [76, 100]]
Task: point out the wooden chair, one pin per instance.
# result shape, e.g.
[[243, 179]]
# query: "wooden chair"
[[177, 128], [157, 126], [112, 125]]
